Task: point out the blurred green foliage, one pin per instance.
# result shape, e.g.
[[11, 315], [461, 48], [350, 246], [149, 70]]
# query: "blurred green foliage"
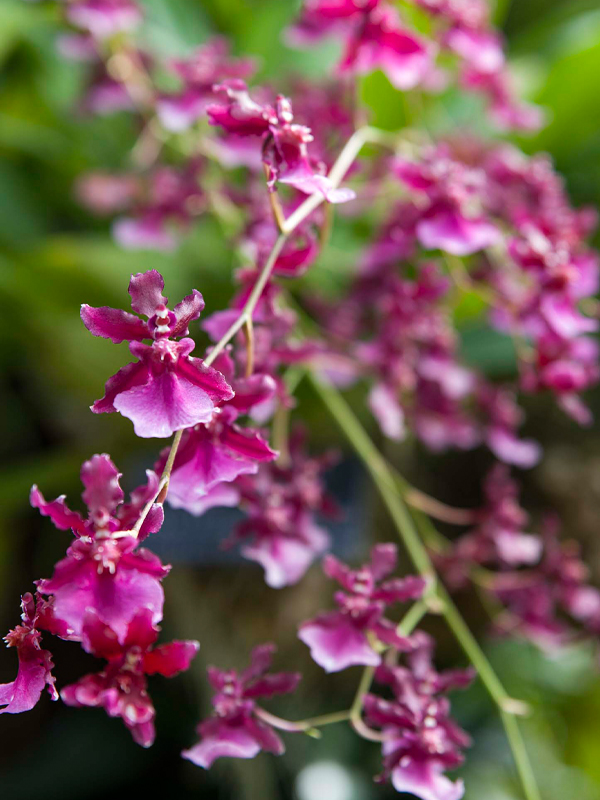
[[53, 257]]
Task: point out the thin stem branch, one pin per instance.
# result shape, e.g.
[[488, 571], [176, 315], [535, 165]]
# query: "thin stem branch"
[[249, 347], [250, 304], [384, 481], [356, 719], [380, 473], [308, 726], [338, 171], [434, 508], [353, 714], [519, 751], [163, 484], [412, 618], [275, 204], [405, 628]]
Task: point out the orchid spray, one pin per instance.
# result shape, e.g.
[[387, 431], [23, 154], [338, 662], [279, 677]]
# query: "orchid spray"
[[470, 213]]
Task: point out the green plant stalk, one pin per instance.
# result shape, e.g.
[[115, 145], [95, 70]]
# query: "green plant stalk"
[[412, 618], [385, 483], [353, 714]]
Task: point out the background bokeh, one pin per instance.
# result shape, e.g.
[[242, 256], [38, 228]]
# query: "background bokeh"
[[54, 256]]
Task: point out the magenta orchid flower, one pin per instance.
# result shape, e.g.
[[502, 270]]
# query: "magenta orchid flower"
[[236, 730], [380, 42], [499, 538], [280, 532], [121, 687], [35, 663], [104, 569], [104, 18], [421, 740], [166, 390], [208, 65], [285, 143], [340, 639], [374, 39]]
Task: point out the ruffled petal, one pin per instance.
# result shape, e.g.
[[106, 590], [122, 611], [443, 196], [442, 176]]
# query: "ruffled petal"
[[185, 312], [178, 112], [276, 683], [99, 638], [268, 740], [221, 740], [207, 378], [335, 643], [337, 571], [247, 443], [141, 631], [114, 324], [102, 492], [386, 409], [425, 779], [383, 560], [447, 230], [400, 590], [34, 673], [145, 233], [166, 403], [58, 511], [285, 559], [181, 495], [260, 661], [146, 292], [134, 374], [251, 391], [169, 659], [524, 453]]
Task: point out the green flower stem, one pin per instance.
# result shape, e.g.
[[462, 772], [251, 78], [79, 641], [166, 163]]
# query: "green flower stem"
[[281, 418], [412, 618], [353, 714], [356, 719], [519, 751], [405, 628], [309, 726], [380, 472], [384, 479]]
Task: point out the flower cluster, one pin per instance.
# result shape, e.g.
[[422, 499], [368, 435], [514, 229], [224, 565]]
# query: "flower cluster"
[[539, 581], [552, 603], [158, 205], [236, 728], [376, 37], [106, 594], [351, 635], [280, 531], [412, 357], [451, 219], [421, 740], [498, 540], [530, 260]]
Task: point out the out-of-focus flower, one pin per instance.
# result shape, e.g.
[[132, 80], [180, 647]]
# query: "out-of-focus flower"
[[236, 730], [339, 639]]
